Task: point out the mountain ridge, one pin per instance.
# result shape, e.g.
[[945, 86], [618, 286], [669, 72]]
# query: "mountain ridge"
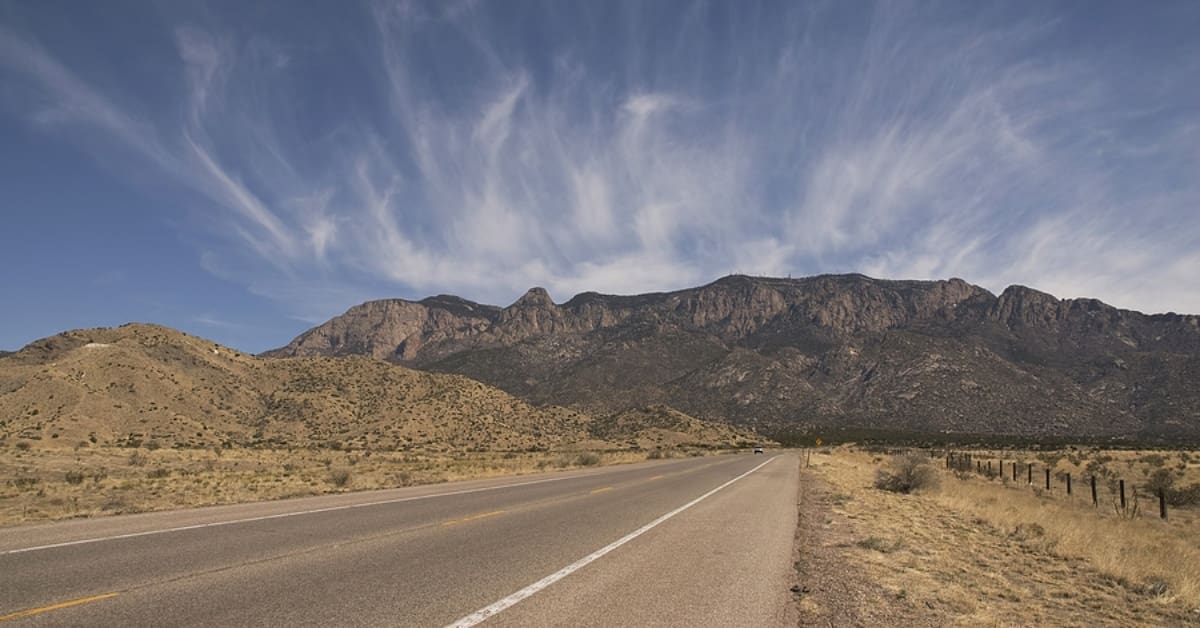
[[808, 352]]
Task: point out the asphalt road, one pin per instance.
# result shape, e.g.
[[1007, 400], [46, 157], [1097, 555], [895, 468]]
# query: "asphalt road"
[[695, 542]]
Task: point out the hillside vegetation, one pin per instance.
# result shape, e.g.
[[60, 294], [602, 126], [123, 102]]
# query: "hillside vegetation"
[[144, 385]]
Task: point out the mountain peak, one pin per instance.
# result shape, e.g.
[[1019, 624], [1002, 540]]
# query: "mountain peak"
[[535, 297]]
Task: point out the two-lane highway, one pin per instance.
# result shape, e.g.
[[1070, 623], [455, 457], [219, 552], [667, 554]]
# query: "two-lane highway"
[[701, 541]]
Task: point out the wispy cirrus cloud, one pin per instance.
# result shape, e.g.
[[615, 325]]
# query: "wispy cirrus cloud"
[[451, 148]]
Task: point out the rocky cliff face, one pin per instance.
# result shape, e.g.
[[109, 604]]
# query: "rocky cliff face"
[[827, 350]]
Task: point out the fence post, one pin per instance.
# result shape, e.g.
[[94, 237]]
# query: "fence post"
[[1095, 500], [1162, 504], [1047, 478], [978, 466], [1031, 473], [1068, 484], [1122, 483], [989, 468], [1014, 471]]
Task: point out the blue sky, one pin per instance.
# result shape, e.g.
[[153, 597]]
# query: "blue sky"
[[242, 172]]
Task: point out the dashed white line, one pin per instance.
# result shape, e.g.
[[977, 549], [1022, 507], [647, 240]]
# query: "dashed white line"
[[482, 614]]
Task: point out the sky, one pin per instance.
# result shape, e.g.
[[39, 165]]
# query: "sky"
[[243, 171]]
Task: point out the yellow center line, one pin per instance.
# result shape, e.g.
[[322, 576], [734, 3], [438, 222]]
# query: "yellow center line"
[[54, 607], [472, 517], [602, 490]]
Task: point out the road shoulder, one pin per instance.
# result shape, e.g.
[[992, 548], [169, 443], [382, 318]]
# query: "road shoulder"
[[831, 589]]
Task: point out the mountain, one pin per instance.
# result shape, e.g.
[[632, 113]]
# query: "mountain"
[[139, 384], [810, 354]]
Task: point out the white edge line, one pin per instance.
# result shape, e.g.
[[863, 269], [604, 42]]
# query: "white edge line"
[[281, 515], [482, 614]]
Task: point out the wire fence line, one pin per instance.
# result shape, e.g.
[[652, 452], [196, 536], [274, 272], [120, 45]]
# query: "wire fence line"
[[1124, 497]]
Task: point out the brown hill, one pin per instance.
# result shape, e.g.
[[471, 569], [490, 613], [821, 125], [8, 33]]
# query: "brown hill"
[[139, 384], [658, 426], [783, 354]]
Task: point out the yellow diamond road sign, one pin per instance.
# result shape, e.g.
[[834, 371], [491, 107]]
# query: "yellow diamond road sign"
[[818, 442]]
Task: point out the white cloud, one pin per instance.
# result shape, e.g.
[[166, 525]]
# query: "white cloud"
[[909, 149]]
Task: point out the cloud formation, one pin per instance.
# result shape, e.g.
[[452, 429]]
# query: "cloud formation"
[[436, 148]]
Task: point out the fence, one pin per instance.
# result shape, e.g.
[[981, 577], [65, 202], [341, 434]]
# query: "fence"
[[1023, 472]]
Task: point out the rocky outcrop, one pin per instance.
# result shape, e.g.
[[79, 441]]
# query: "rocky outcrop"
[[831, 349]]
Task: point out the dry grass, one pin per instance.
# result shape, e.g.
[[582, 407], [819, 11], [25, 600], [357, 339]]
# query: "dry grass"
[[1142, 553], [1133, 544], [975, 552], [45, 484]]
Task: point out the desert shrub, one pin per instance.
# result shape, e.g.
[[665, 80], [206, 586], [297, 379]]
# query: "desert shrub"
[[137, 459], [1050, 458], [1097, 468], [1184, 496], [1026, 531], [339, 476], [879, 545], [1160, 480], [655, 454], [158, 473], [403, 478], [24, 482], [23, 445], [906, 473], [588, 459], [1154, 460], [1156, 587], [114, 503], [74, 477]]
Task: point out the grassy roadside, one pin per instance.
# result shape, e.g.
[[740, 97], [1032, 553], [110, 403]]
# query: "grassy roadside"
[[976, 552], [49, 484]]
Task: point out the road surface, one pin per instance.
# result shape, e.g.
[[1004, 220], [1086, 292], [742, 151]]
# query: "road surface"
[[694, 542]]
